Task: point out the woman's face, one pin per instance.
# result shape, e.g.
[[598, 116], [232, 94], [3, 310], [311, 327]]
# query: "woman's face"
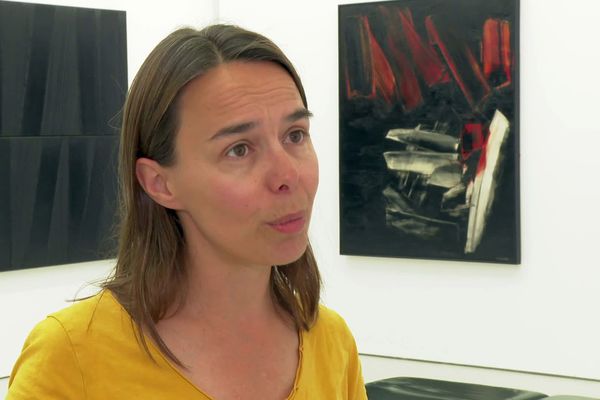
[[246, 173]]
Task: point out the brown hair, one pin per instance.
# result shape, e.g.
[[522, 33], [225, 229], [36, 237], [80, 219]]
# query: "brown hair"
[[149, 276]]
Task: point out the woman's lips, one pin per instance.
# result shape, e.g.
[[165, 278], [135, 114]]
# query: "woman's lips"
[[291, 223]]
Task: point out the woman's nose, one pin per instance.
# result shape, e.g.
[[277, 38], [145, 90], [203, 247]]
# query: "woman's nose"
[[283, 170]]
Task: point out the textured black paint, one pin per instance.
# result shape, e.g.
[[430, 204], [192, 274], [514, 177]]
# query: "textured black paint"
[[39, 58], [60, 203], [63, 81], [64, 70], [5, 237]]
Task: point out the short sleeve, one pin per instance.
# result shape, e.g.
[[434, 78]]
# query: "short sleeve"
[[47, 367], [332, 368], [356, 384], [356, 387]]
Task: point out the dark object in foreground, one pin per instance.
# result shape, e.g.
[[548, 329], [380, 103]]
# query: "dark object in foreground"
[[431, 389], [569, 398]]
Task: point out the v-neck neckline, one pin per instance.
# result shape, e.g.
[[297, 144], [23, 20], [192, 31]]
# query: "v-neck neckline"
[[172, 366]]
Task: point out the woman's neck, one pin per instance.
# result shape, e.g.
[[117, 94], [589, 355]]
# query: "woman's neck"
[[227, 293]]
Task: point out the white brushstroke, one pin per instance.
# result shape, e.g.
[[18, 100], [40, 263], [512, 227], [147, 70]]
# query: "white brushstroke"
[[424, 139], [484, 187], [420, 162]]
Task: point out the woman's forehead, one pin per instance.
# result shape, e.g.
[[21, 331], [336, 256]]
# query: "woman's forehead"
[[233, 89], [226, 81]]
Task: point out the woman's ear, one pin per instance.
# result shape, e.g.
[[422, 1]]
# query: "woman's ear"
[[153, 178]]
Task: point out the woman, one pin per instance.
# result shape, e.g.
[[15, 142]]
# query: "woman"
[[215, 294]]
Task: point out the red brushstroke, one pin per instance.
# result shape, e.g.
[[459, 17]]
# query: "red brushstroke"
[[471, 138], [483, 157], [396, 73], [383, 81], [426, 60], [496, 52], [363, 74], [506, 51], [477, 71], [408, 84], [437, 40], [482, 161], [490, 47], [349, 93]]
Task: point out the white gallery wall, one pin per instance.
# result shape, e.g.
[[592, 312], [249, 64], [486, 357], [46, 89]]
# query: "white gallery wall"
[[26, 297], [541, 316]]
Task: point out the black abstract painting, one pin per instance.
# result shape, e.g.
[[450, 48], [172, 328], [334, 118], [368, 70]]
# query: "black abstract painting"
[[63, 80], [428, 95]]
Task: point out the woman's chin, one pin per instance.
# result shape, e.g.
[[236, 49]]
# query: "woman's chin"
[[290, 255]]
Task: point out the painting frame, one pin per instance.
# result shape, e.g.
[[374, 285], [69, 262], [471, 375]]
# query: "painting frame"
[[430, 183]]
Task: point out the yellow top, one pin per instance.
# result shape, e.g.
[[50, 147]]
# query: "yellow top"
[[89, 351]]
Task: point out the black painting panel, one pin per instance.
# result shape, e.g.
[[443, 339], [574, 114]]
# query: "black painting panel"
[[61, 207], [63, 82], [63, 70], [429, 129], [5, 237]]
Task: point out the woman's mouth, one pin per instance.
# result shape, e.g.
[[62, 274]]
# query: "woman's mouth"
[[291, 223]]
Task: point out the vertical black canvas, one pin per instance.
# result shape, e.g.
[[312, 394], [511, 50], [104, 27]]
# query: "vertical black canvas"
[[63, 80]]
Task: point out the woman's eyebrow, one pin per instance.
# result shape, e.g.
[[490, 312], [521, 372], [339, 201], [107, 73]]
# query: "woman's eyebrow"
[[300, 113], [243, 127], [234, 129]]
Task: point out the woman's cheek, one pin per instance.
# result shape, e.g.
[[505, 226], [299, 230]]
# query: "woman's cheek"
[[234, 197]]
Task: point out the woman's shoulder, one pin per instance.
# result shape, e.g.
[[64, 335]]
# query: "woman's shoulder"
[[330, 324], [50, 359], [330, 318], [330, 361], [99, 315], [81, 343], [82, 312]]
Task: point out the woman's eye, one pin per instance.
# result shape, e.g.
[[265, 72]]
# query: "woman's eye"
[[238, 151], [296, 137]]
